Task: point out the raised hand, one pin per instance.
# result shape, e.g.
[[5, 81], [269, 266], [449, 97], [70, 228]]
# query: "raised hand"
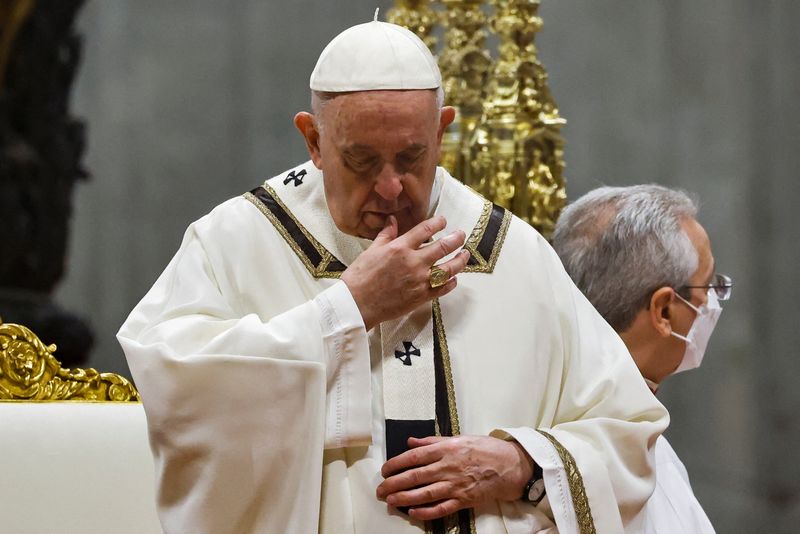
[[441, 475], [390, 278]]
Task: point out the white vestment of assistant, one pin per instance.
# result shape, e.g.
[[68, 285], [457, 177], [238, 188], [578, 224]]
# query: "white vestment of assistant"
[[264, 392], [673, 508]]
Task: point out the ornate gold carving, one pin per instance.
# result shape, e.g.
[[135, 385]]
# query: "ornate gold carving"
[[517, 149], [506, 141], [417, 16], [580, 501], [464, 62], [29, 371]]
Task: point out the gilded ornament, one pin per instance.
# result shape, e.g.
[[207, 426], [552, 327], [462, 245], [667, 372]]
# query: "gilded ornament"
[[437, 277], [464, 62], [506, 140], [517, 148], [29, 371], [418, 16]]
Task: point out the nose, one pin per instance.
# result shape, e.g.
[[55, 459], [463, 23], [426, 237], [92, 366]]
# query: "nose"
[[388, 183]]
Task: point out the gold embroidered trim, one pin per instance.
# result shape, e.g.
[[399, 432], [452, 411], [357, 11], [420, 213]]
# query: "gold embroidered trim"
[[452, 521], [475, 237], [320, 271], [580, 501], [448, 373], [501, 237], [486, 265]]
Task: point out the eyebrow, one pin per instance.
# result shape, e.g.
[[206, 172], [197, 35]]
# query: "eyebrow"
[[359, 149], [416, 147]]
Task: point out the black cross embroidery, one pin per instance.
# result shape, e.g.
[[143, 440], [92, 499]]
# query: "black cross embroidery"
[[410, 350], [297, 177]]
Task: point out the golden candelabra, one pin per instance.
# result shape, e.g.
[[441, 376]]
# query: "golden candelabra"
[[506, 141]]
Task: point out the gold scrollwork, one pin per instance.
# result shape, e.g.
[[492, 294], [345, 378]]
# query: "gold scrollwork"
[[29, 371]]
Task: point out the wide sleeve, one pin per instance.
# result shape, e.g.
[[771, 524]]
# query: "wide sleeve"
[[240, 407], [596, 453]]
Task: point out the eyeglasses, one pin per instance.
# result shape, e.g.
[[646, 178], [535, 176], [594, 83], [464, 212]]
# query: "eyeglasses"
[[722, 286]]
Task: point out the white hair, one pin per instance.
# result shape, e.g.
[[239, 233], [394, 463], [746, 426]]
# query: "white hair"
[[320, 98], [620, 244]]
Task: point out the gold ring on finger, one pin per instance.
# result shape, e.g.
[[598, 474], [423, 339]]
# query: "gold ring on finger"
[[437, 277]]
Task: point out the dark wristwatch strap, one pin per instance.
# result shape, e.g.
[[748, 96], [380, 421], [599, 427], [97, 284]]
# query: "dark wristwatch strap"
[[534, 490]]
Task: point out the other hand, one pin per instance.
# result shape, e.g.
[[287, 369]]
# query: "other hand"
[[390, 278], [441, 475]]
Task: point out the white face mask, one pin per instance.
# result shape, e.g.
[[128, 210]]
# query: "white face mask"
[[700, 332]]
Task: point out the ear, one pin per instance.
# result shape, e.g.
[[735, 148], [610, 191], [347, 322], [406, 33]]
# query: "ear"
[[304, 122], [660, 310], [446, 117]]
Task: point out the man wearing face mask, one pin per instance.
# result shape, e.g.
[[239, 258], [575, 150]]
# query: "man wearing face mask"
[[642, 259]]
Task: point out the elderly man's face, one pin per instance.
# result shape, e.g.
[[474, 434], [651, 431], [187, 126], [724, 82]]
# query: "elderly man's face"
[[378, 152]]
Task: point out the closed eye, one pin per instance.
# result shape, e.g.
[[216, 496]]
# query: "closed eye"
[[407, 160], [360, 164]]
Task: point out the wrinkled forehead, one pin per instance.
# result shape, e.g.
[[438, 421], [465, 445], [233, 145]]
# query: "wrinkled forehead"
[[386, 110], [418, 99]]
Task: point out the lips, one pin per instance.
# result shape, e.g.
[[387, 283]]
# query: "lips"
[[375, 219]]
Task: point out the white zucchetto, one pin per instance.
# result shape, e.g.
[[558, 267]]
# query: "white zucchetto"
[[375, 56]]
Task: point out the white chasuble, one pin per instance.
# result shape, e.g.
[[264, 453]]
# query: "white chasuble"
[[270, 407]]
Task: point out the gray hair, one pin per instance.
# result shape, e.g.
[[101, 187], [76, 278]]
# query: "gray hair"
[[320, 98], [620, 244]]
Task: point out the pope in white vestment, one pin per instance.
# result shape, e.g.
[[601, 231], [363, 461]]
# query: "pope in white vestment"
[[270, 403], [263, 390]]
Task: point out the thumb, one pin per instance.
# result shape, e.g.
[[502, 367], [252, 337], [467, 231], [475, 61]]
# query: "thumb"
[[389, 231]]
